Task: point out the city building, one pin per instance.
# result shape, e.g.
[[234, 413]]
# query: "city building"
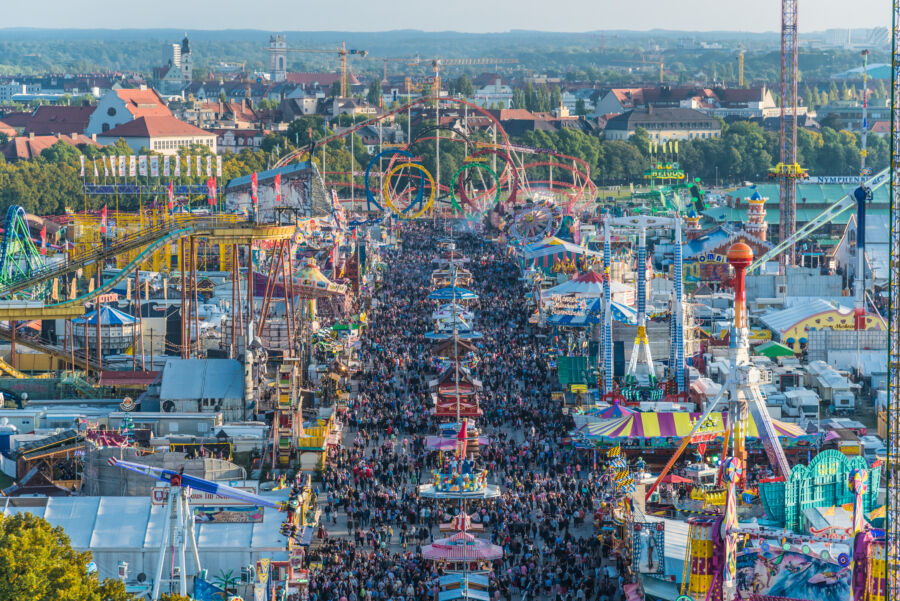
[[203, 386], [118, 107], [23, 148], [162, 134], [716, 102], [178, 72], [50, 120], [235, 140], [663, 124], [877, 252]]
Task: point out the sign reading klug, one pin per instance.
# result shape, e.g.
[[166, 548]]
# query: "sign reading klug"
[[160, 496]]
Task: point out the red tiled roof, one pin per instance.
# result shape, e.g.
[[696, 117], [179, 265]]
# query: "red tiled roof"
[[7, 129], [144, 103], [881, 127], [17, 119], [155, 127], [50, 120], [508, 114], [323, 79], [28, 147]]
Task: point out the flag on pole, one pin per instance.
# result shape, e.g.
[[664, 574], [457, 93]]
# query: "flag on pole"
[[170, 204], [208, 165], [96, 172], [254, 188], [82, 165], [177, 166], [154, 166], [461, 439], [166, 170], [103, 220], [187, 171], [44, 240], [132, 166], [218, 166], [277, 187], [197, 160], [105, 167], [211, 191], [142, 165], [121, 166]]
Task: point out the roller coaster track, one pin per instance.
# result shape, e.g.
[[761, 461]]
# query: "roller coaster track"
[[151, 238], [49, 349]]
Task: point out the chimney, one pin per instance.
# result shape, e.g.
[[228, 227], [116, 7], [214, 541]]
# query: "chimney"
[[31, 135], [94, 137]]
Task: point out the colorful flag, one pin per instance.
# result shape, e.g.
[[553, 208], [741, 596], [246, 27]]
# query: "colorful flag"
[[277, 187], [142, 165], [218, 166], [254, 189], [103, 221], [154, 166], [187, 171], [82, 165], [208, 165], [177, 166], [166, 170], [121, 166], [461, 439], [197, 160], [211, 191], [44, 240], [112, 166], [132, 166], [105, 167], [96, 173], [171, 197]]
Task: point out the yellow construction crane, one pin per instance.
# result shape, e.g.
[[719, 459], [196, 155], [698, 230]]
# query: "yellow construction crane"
[[437, 63], [646, 61], [741, 67], [342, 53], [403, 59]]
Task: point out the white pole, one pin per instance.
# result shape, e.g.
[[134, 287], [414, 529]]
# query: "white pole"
[[189, 519], [167, 533], [180, 542]]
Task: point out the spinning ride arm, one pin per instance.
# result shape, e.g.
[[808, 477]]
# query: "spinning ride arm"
[[686, 441], [185, 481], [828, 215]]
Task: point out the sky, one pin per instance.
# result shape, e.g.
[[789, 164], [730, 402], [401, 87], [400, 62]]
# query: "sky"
[[477, 16]]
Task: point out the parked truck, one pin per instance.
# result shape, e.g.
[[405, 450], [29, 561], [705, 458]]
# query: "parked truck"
[[801, 402]]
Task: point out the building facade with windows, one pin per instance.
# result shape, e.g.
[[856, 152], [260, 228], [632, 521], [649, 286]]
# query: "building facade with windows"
[[664, 124], [118, 107], [165, 135]]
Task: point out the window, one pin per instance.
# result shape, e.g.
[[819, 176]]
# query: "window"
[[105, 127], [111, 111]]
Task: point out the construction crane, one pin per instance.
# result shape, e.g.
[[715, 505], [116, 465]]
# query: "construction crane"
[[343, 52], [437, 63], [741, 67], [788, 171], [386, 60]]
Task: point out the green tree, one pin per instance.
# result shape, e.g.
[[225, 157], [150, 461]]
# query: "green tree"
[[174, 597], [335, 88], [373, 96], [518, 99], [580, 108], [39, 564], [464, 86], [555, 100]]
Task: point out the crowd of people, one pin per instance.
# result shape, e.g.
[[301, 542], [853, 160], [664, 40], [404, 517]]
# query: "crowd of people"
[[375, 522]]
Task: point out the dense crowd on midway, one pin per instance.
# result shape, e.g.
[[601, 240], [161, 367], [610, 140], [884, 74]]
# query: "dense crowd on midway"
[[374, 522]]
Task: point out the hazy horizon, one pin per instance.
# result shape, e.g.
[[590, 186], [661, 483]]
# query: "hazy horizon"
[[462, 16]]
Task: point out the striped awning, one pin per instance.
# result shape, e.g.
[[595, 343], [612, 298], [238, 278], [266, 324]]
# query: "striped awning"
[[664, 425], [462, 546]]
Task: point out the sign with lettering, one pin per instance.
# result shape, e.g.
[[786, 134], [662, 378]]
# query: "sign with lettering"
[[568, 305], [833, 179], [159, 495]]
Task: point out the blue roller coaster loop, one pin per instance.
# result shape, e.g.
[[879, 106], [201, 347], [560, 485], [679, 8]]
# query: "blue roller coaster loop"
[[19, 257], [370, 198]]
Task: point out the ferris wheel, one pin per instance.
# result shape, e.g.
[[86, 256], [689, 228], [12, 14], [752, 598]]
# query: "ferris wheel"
[[535, 222]]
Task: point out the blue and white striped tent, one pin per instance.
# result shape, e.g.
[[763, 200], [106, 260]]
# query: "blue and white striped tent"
[[108, 317], [593, 314]]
